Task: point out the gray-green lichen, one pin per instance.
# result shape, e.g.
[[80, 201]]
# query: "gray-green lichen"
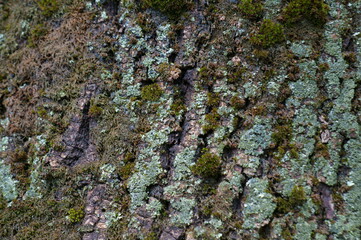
[[8, 185], [259, 205], [301, 50], [256, 140], [184, 211]]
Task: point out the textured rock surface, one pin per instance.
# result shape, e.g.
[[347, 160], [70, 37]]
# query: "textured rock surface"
[[107, 107]]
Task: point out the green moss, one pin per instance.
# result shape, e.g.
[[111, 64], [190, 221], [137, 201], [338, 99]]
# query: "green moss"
[[281, 134], [127, 170], [282, 137], [236, 75], [76, 215], [213, 99], [270, 33], [177, 107], [296, 198], [286, 233], [212, 121], [251, 9], [95, 111], [36, 33], [48, 7], [208, 165], [313, 10], [152, 236], [172, 8], [209, 74], [20, 166], [41, 111], [151, 92]]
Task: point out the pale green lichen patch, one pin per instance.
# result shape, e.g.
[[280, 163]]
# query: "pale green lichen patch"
[[348, 224], [256, 140], [301, 50], [7, 183], [154, 207], [183, 163], [259, 206], [37, 185], [304, 229], [184, 211]]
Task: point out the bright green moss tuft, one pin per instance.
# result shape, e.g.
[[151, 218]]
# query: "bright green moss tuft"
[[251, 9], [172, 8], [269, 34], [208, 165], [75, 215], [313, 10], [151, 92]]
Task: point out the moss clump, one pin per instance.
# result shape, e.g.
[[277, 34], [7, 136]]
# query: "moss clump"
[[213, 99], [313, 10], [286, 233], [35, 34], [282, 134], [270, 33], [296, 198], [237, 102], [208, 165], [236, 75], [281, 139], [75, 215], [212, 120], [95, 111], [151, 92], [129, 165], [19, 165], [172, 8], [251, 9], [48, 7], [177, 107]]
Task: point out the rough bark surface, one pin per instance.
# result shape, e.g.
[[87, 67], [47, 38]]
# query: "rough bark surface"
[[218, 119]]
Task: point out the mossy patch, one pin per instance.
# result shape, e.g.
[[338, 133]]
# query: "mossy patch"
[[76, 215], [151, 92], [95, 110], [178, 107], [314, 11], [237, 103], [48, 7], [212, 121], [36, 33], [172, 8], [270, 33], [296, 199], [208, 165], [251, 9]]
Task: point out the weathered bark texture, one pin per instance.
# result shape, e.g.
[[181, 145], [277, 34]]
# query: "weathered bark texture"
[[171, 120]]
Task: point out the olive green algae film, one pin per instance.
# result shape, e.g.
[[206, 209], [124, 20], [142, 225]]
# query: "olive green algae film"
[[172, 120]]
